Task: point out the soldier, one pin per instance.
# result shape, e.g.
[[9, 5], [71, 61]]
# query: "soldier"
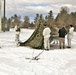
[[17, 32], [46, 35], [62, 32], [70, 36]]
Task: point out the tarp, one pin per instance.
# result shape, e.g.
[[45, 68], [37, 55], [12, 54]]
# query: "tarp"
[[36, 39]]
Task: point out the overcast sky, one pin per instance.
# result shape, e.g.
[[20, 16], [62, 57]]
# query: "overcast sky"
[[32, 7]]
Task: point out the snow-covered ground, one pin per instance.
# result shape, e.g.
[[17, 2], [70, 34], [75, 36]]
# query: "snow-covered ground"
[[53, 62]]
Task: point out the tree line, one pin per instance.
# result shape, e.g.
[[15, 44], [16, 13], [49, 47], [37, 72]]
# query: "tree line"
[[63, 18]]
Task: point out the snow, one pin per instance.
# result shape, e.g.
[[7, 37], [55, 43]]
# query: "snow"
[[14, 60]]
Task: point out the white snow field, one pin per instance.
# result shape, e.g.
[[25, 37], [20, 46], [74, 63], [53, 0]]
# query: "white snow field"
[[53, 62]]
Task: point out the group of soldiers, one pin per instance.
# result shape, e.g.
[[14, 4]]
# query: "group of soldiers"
[[62, 33]]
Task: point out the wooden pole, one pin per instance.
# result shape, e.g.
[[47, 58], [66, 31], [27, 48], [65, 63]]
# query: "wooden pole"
[[0, 15], [4, 18]]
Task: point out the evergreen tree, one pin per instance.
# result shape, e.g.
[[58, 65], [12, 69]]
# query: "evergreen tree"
[[26, 22], [62, 17], [36, 20], [49, 17]]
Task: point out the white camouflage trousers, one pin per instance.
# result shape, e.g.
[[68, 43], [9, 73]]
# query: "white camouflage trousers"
[[46, 43]]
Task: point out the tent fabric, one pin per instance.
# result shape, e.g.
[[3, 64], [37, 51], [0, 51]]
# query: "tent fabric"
[[35, 40]]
